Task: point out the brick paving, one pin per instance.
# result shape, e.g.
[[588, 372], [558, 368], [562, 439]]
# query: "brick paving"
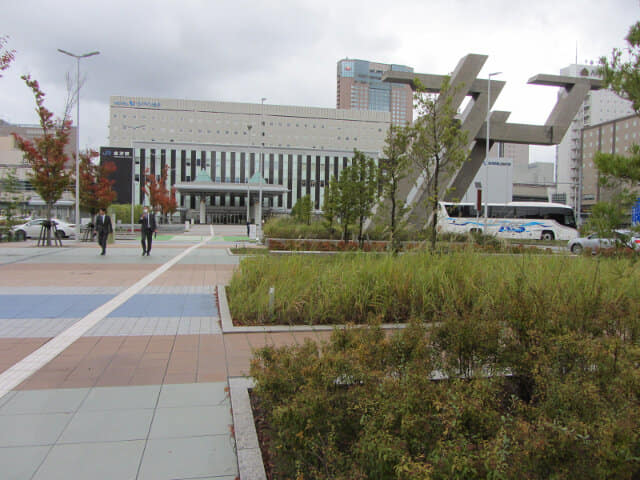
[[142, 394]]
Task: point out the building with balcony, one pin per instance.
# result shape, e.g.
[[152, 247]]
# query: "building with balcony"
[[614, 136], [12, 160]]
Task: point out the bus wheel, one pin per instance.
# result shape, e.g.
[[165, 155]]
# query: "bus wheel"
[[547, 235]]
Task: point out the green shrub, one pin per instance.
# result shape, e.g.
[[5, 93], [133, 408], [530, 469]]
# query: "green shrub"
[[288, 227], [366, 405]]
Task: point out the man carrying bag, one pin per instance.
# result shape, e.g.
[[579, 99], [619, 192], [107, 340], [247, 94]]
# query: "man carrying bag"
[[148, 228]]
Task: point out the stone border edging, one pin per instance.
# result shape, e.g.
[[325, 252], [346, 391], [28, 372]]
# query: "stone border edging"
[[229, 327], [250, 465]]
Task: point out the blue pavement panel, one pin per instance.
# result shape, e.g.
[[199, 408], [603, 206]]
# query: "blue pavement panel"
[[50, 306], [170, 305]]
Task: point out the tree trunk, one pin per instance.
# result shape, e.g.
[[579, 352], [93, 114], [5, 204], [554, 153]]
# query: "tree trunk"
[[394, 245], [435, 204], [49, 216]]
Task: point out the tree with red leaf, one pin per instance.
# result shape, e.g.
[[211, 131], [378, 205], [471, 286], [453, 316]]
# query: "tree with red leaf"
[[96, 187], [6, 56], [171, 204], [46, 154], [159, 196]]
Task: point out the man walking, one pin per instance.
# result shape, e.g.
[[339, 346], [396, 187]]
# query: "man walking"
[[148, 228], [103, 229]]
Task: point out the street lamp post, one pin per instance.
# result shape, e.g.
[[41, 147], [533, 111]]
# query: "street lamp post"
[[248, 173], [78, 58], [133, 171], [486, 159], [259, 222]]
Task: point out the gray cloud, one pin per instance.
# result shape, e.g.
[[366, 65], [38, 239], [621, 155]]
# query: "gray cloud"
[[287, 50]]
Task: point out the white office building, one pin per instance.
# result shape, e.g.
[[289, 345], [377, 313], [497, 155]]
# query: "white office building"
[[223, 142]]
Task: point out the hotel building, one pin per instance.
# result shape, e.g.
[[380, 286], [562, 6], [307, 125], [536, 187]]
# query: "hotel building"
[[222, 143]]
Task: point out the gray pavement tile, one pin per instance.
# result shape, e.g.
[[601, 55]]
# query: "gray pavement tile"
[[188, 394], [114, 398], [108, 426], [194, 457], [191, 421], [32, 430], [64, 400], [20, 463], [95, 461], [7, 397], [34, 327]]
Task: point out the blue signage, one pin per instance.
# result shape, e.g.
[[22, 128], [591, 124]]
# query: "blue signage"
[[133, 103], [635, 213]]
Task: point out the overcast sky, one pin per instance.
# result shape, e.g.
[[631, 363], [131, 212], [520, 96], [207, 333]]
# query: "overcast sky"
[[286, 51]]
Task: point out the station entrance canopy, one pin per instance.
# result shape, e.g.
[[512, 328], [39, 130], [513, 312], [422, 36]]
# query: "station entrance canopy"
[[203, 186]]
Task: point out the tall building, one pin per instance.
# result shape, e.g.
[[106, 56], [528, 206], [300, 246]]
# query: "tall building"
[[360, 87], [599, 106]]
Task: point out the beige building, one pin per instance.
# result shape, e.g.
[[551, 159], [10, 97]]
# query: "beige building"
[[303, 147], [12, 160], [615, 136]]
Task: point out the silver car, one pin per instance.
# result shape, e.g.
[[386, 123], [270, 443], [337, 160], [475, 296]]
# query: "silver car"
[[32, 229], [594, 242]]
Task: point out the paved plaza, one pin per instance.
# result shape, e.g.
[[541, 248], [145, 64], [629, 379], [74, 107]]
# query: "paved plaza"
[[116, 367]]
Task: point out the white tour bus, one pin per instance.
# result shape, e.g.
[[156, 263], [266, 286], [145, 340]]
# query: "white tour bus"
[[519, 220]]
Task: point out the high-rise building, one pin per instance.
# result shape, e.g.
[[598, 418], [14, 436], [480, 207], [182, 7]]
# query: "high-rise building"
[[599, 106], [360, 87]]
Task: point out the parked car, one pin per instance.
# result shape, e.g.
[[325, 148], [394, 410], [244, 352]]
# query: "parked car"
[[620, 238], [31, 229]]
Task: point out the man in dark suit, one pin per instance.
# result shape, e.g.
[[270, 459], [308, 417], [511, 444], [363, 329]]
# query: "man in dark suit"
[[148, 228], [103, 229]]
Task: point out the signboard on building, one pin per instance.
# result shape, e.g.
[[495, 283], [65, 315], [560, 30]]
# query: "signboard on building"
[[635, 213], [500, 187], [122, 158]]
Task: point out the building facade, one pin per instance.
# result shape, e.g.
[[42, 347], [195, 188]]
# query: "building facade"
[[599, 106], [615, 136], [301, 148], [360, 87], [12, 160]]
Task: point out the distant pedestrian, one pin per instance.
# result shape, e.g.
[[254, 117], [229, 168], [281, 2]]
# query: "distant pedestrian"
[[103, 229], [148, 228]]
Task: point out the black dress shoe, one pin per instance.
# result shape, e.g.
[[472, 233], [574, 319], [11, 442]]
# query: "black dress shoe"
[[102, 253]]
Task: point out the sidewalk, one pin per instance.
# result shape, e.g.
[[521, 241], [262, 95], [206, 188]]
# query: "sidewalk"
[[143, 392]]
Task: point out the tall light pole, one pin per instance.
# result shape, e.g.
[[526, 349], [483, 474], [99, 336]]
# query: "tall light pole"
[[78, 58], [248, 173], [486, 158], [259, 222], [133, 171]]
